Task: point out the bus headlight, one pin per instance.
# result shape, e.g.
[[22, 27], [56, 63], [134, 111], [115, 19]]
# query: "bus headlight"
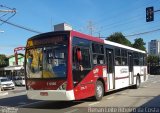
[[63, 86]]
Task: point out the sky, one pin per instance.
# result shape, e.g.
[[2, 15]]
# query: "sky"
[[105, 16]]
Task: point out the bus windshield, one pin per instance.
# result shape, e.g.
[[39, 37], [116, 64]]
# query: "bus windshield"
[[46, 61]]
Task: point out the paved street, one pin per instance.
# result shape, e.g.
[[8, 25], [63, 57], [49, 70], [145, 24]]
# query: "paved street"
[[145, 99]]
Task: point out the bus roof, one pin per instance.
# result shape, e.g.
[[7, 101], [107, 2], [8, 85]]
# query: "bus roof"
[[85, 36], [88, 37], [122, 46], [48, 34], [97, 39]]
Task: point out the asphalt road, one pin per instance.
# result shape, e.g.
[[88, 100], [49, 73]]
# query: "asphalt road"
[[145, 99]]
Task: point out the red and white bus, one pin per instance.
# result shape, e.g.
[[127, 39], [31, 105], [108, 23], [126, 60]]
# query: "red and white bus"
[[68, 65]]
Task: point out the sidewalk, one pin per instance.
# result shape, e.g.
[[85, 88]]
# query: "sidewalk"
[[3, 93], [11, 93]]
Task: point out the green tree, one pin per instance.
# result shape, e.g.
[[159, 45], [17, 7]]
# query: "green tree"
[[139, 44], [3, 60], [153, 60], [118, 37]]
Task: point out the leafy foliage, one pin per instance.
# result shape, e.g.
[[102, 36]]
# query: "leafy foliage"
[[3, 60], [118, 37], [139, 44], [153, 60]]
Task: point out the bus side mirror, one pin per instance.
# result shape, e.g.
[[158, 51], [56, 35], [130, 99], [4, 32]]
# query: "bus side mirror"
[[79, 55]]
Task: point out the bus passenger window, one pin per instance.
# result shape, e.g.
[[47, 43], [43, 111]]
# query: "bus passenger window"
[[136, 58], [94, 59], [141, 59], [118, 56], [118, 61], [124, 61], [124, 56], [98, 59], [86, 58]]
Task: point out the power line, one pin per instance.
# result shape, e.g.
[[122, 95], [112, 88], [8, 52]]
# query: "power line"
[[13, 10], [7, 7], [7, 10], [8, 18], [141, 27], [143, 33], [122, 13], [4, 15], [119, 22], [21, 27]]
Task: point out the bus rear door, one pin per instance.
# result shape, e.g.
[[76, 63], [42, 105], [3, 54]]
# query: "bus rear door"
[[110, 67]]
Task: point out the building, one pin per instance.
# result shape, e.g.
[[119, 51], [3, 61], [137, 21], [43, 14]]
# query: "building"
[[12, 62], [12, 69], [154, 47]]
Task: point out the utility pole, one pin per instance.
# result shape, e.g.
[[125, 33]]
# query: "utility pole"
[[8, 10], [11, 11], [90, 27]]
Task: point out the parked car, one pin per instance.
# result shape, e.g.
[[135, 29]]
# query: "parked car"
[[20, 81], [6, 83]]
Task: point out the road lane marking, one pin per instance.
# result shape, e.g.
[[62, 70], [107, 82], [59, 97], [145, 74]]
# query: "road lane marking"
[[24, 105], [110, 97], [71, 111], [93, 103]]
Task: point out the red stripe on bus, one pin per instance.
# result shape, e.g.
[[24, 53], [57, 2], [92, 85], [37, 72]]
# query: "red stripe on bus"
[[69, 70], [121, 77], [84, 36]]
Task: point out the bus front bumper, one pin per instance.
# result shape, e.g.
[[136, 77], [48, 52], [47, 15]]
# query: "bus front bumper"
[[58, 95]]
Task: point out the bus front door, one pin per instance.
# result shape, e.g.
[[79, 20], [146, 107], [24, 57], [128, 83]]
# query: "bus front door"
[[130, 64]]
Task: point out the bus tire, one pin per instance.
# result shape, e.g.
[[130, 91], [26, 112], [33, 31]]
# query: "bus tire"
[[99, 91]]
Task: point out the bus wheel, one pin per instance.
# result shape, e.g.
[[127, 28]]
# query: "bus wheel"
[[99, 91]]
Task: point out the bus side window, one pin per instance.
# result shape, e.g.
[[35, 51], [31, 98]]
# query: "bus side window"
[[136, 58], [118, 56], [98, 59], [98, 54], [118, 61], [124, 57], [85, 58]]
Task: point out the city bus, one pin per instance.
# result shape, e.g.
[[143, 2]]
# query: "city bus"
[[69, 65]]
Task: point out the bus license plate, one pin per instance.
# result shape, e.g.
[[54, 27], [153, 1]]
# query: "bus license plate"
[[44, 93]]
